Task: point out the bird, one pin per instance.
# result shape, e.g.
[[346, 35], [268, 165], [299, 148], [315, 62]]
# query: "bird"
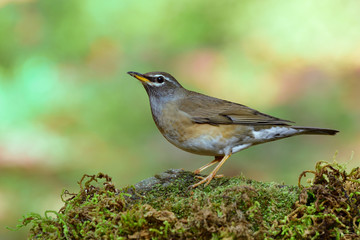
[[210, 126]]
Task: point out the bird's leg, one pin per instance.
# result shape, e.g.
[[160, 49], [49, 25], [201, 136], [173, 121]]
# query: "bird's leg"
[[217, 159], [213, 173]]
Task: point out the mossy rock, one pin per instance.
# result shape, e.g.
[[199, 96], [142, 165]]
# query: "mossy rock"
[[164, 207]]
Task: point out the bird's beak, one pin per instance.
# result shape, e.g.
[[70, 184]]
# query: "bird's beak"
[[139, 76]]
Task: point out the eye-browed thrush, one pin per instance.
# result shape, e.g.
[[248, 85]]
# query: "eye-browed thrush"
[[205, 125]]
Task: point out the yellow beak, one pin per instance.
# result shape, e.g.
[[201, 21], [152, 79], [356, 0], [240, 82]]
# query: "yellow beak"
[[139, 76]]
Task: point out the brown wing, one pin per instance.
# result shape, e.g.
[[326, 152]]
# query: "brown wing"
[[210, 110]]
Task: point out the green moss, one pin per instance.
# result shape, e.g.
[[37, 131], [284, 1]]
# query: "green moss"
[[163, 207], [329, 207]]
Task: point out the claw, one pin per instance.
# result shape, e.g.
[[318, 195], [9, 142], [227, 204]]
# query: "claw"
[[217, 176], [212, 175], [205, 179]]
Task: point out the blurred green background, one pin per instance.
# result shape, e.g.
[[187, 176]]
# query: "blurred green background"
[[67, 106]]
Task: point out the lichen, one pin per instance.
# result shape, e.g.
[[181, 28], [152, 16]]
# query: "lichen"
[[164, 207]]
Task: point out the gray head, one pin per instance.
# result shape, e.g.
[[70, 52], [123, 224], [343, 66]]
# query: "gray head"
[[157, 84]]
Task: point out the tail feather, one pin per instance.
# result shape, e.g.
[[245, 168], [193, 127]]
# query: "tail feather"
[[317, 131]]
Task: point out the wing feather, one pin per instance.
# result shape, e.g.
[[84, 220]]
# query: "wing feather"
[[205, 109]]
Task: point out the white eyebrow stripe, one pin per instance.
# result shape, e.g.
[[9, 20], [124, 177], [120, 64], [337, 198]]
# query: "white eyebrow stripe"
[[155, 84]]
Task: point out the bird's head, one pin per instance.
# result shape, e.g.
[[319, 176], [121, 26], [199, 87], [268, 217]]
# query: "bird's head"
[[157, 83]]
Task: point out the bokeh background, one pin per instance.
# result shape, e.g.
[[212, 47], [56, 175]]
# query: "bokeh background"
[[67, 106]]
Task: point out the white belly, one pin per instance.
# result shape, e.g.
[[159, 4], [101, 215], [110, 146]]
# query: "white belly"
[[212, 145]]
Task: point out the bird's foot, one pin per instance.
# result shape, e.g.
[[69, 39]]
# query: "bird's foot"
[[216, 176], [206, 180]]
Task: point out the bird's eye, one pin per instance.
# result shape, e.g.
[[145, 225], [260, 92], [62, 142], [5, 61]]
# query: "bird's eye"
[[160, 79]]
